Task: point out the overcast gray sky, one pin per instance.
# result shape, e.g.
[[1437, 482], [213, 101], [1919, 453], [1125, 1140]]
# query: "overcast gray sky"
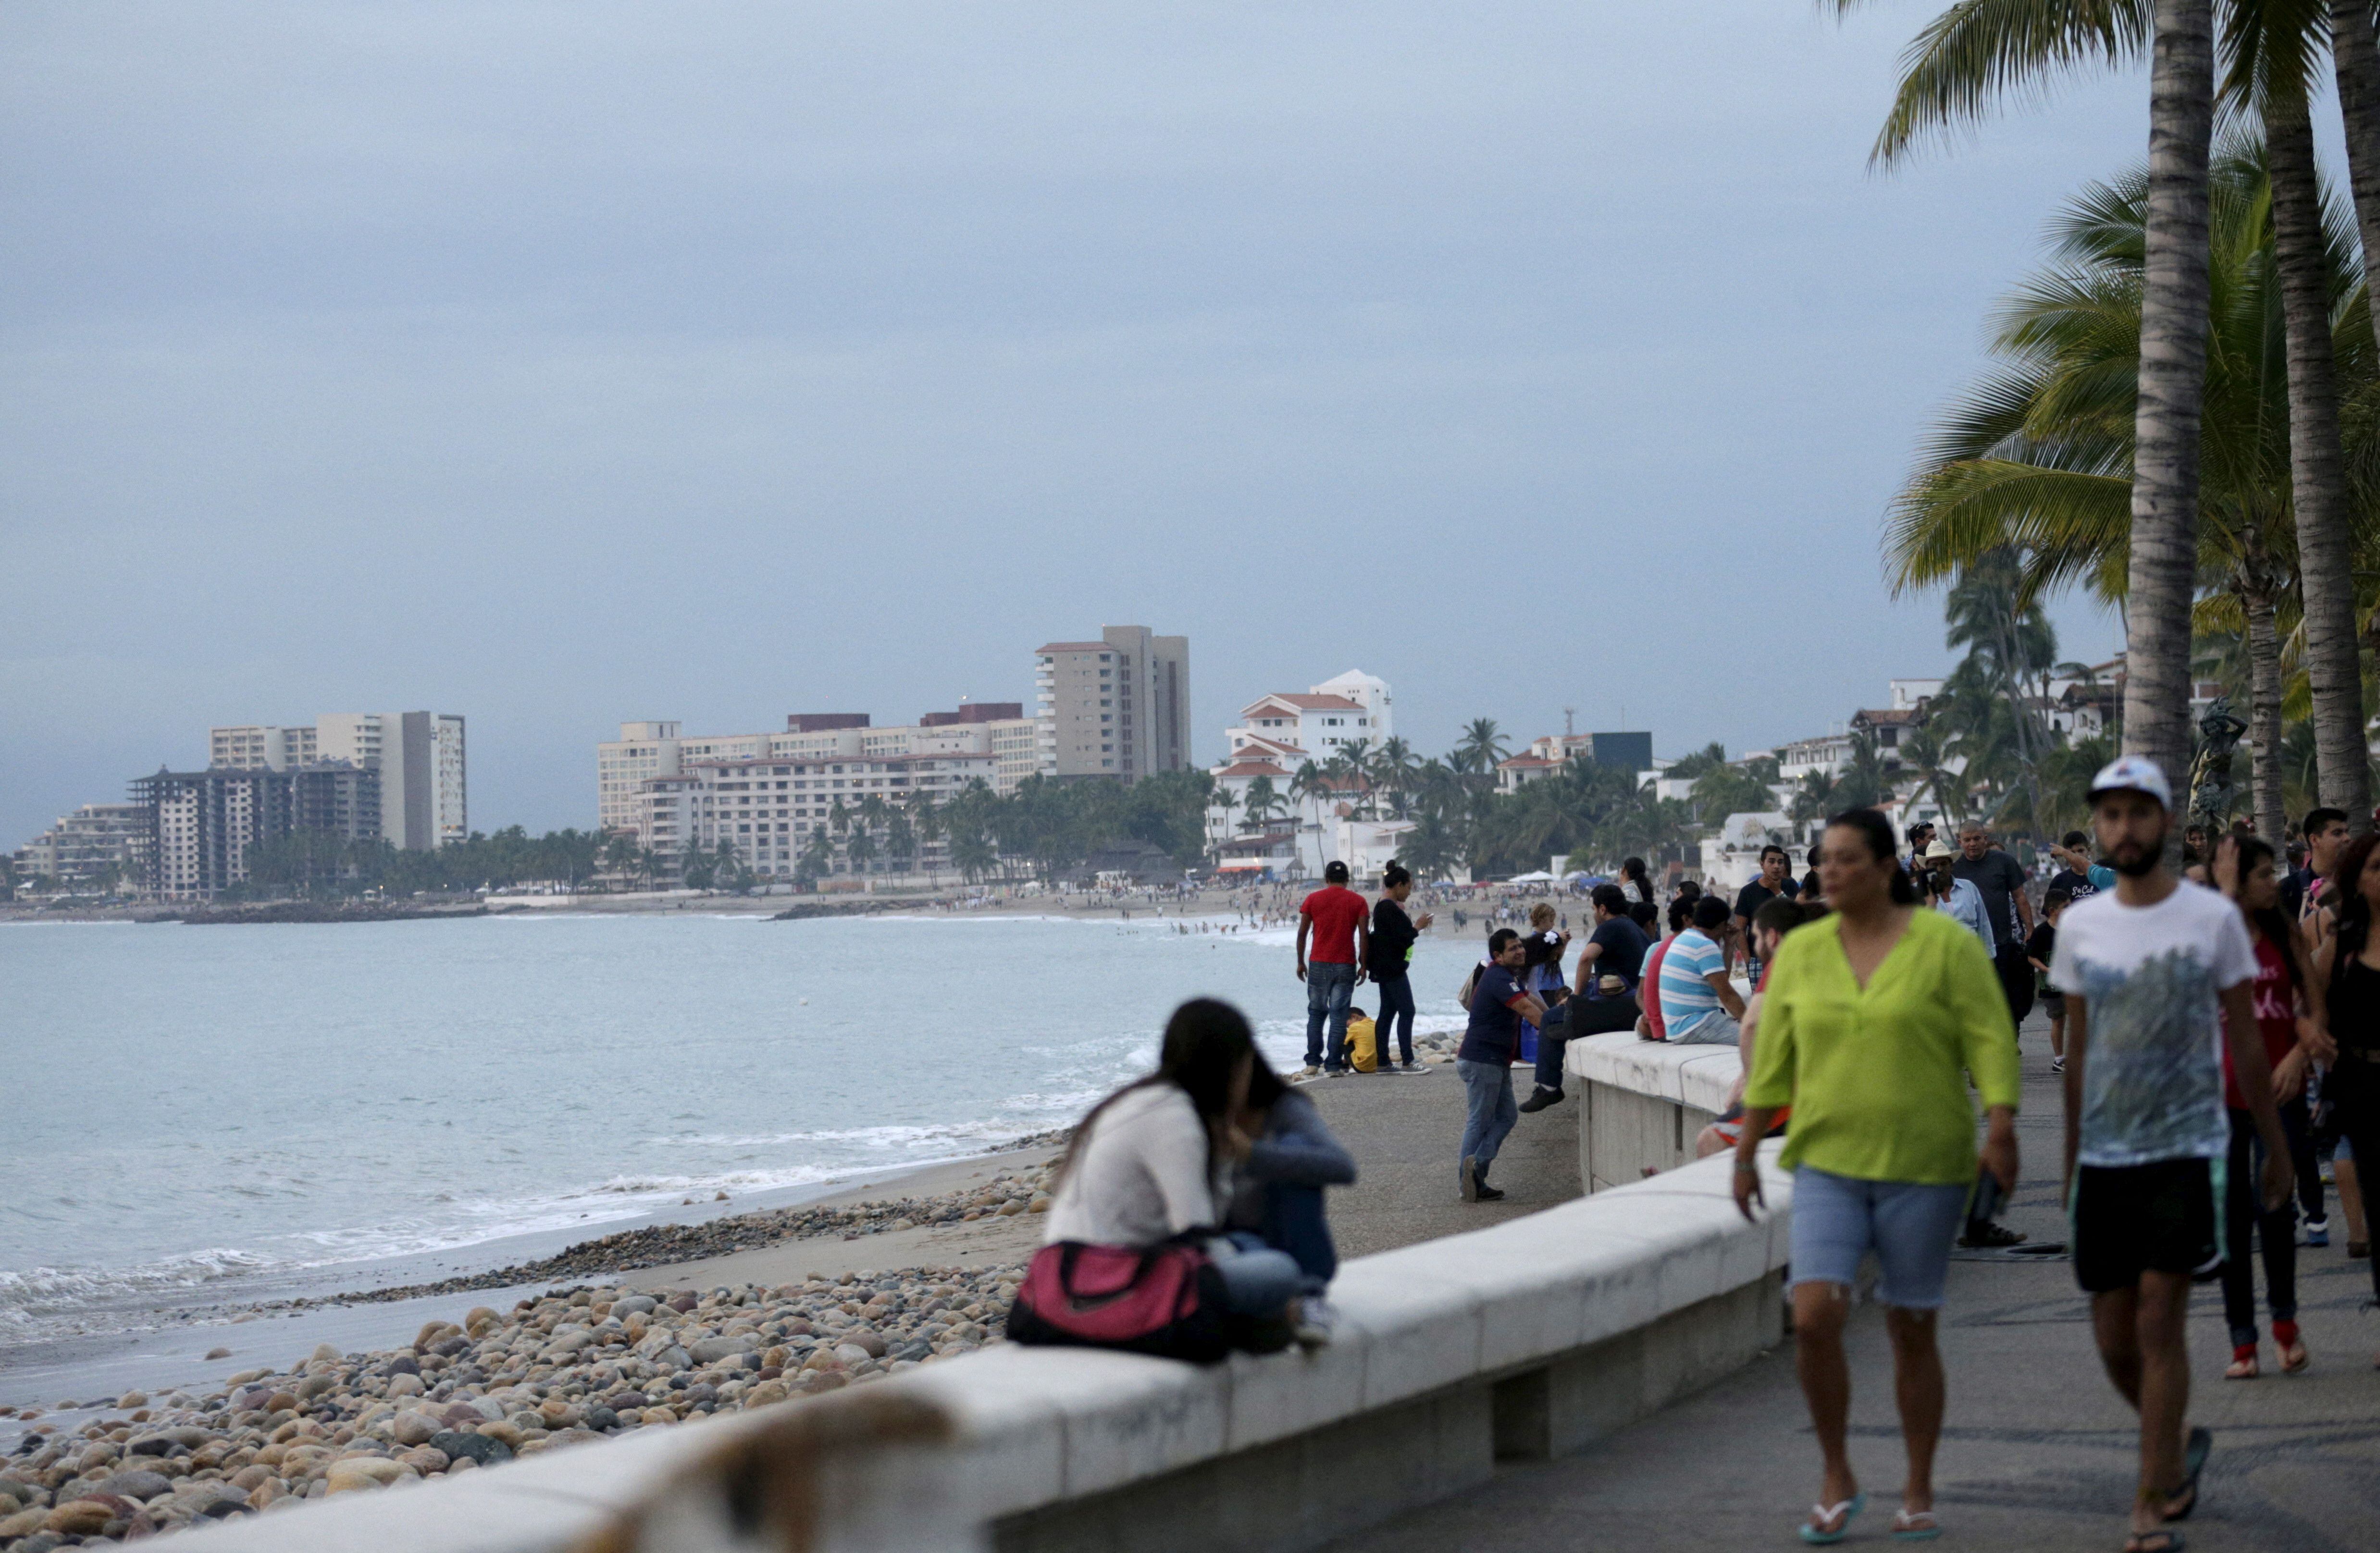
[[562, 363]]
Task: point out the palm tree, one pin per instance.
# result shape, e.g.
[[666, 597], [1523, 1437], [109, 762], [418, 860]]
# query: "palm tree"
[[1393, 769], [1307, 785], [1961, 63], [2274, 45], [1814, 798], [1482, 747], [2037, 457], [1225, 801], [1922, 753], [971, 854], [818, 857], [1688, 767], [1259, 803]]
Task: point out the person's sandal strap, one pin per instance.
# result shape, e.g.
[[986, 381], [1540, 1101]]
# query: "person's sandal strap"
[[1842, 1514], [1915, 1525]]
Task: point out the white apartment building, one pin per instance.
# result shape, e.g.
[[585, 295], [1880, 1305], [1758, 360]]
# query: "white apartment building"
[[96, 841], [424, 792], [1118, 707], [258, 748], [767, 809], [1290, 729], [1000, 750]]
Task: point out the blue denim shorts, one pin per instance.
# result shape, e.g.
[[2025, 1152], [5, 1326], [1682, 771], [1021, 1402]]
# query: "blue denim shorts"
[[1909, 1225]]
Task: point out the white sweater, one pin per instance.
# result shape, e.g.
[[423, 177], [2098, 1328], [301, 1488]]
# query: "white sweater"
[[1139, 1176]]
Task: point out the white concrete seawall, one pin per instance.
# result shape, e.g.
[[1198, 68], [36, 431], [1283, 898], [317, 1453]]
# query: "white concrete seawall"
[[1526, 1340], [1641, 1103]]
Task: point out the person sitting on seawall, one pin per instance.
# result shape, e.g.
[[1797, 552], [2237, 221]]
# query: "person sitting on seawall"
[[1649, 1024], [1145, 1164], [1770, 926], [1277, 1192], [1699, 1005], [1609, 969]]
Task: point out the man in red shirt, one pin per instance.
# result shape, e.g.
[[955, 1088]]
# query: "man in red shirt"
[[1339, 922]]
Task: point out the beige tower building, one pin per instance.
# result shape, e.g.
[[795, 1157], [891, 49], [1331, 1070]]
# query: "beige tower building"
[[1118, 707]]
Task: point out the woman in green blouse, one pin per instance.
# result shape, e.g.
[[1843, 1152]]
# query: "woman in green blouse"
[[1872, 1019]]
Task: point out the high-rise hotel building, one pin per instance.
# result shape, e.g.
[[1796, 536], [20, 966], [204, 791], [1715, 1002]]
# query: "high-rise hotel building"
[[766, 793], [419, 756], [1118, 707]]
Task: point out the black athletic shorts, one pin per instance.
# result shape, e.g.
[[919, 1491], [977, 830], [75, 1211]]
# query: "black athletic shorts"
[[2128, 1219]]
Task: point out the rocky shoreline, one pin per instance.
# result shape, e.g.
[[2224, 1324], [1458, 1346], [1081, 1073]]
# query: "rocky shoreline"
[[574, 1365], [656, 1245], [320, 911]]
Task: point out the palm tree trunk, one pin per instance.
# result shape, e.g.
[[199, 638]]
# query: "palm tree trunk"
[[2317, 473], [2264, 703], [2173, 386]]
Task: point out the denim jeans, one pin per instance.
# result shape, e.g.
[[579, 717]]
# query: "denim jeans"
[[1580, 1016], [1328, 988], [1258, 1280], [1397, 1009], [2242, 1211], [1295, 1222], [1488, 1094], [1719, 1029]]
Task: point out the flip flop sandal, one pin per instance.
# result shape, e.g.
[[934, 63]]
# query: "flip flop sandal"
[[2166, 1542], [1849, 1511], [1915, 1525], [2194, 1462]]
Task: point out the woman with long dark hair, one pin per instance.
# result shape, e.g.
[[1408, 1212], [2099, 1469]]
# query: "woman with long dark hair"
[[1873, 1018], [1636, 884], [2347, 965], [1152, 1162], [2289, 1018]]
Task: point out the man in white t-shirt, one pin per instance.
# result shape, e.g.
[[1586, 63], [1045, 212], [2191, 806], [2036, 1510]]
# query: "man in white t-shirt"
[[2158, 974]]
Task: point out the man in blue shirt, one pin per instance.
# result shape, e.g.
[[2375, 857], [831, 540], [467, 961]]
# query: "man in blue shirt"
[[1959, 898], [1484, 1061]]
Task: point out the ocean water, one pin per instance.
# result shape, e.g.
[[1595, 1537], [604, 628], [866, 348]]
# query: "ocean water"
[[189, 1106]]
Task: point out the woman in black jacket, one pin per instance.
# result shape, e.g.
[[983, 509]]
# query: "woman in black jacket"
[[1393, 935]]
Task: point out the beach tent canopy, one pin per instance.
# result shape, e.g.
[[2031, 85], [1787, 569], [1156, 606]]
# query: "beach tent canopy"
[[1538, 877]]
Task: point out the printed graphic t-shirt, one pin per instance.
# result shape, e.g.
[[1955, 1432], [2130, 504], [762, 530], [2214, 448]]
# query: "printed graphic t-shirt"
[[1336, 910], [2154, 979], [2277, 1015]]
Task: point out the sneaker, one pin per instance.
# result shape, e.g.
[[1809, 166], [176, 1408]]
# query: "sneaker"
[[1470, 1178], [1410, 1066], [1316, 1322], [1489, 1194], [1989, 1237], [1541, 1098], [2057, 1065], [2317, 1232], [1311, 1070]]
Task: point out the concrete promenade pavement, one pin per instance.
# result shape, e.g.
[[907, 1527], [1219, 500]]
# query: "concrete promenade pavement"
[[2038, 1451]]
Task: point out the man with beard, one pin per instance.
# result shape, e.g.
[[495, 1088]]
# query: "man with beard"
[[2159, 977]]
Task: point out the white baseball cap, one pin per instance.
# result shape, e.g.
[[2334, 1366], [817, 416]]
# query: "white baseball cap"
[[2133, 773]]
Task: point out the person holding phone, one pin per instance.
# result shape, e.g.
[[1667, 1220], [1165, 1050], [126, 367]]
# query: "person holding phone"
[[1870, 1024]]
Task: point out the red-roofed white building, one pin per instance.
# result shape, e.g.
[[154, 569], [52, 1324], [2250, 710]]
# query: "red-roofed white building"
[[1317, 723], [1521, 769]]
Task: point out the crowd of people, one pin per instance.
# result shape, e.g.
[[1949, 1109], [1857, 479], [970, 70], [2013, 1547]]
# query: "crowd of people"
[[2216, 1031]]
